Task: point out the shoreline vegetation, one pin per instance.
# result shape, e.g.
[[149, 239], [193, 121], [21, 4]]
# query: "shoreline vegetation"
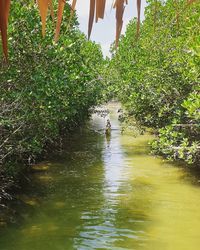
[[156, 77], [46, 90]]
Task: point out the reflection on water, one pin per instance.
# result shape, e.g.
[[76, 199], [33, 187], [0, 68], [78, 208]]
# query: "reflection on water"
[[105, 193]]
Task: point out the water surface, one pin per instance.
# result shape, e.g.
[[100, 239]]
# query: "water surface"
[[105, 193]]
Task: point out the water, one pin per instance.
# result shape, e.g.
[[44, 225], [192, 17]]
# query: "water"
[[105, 193]]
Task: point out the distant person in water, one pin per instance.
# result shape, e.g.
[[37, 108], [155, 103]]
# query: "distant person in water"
[[108, 128]]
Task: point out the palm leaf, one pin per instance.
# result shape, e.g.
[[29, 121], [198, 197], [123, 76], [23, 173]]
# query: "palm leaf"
[[91, 16], [4, 14], [95, 5], [43, 7], [51, 10], [73, 6], [119, 5], [100, 9], [61, 5], [138, 13]]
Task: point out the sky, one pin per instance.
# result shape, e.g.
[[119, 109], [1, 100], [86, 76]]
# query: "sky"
[[104, 31]]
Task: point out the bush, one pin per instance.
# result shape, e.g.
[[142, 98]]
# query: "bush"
[[159, 75], [47, 87]]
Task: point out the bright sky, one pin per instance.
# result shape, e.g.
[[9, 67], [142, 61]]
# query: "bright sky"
[[104, 31]]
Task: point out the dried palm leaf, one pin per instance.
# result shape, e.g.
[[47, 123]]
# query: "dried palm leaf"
[[100, 9], [95, 5], [4, 14], [119, 5], [51, 10], [98, 2], [138, 13], [91, 16], [73, 6], [61, 5], [43, 7]]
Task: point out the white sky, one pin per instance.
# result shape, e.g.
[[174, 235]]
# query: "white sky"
[[104, 31]]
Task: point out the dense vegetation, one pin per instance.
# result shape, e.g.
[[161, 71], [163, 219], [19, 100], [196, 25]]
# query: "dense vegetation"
[[47, 88], [157, 76]]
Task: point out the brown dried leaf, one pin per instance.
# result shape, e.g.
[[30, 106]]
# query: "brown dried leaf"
[[138, 11], [91, 16], [119, 5], [100, 9], [73, 5], [51, 10], [98, 2], [61, 5], [4, 14], [43, 7]]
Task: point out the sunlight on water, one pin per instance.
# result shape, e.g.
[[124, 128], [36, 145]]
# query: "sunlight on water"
[[105, 193]]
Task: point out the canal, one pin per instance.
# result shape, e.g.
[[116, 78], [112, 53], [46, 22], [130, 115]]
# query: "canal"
[[105, 193]]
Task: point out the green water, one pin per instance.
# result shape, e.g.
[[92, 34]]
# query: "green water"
[[105, 193]]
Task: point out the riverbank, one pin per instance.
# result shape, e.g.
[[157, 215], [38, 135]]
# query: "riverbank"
[[14, 169], [161, 144]]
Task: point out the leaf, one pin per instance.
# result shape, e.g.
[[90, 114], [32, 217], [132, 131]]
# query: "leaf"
[[4, 14], [51, 10], [43, 7], [100, 9], [119, 5], [61, 5], [138, 12], [73, 6], [98, 2], [91, 17]]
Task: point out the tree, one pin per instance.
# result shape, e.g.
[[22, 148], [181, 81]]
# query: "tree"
[[159, 74]]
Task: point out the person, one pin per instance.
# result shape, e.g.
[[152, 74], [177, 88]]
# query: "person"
[[108, 127]]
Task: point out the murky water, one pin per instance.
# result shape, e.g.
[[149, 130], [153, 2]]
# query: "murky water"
[[106, 193]]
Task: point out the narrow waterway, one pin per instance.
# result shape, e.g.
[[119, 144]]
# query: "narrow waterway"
[[105, 193]]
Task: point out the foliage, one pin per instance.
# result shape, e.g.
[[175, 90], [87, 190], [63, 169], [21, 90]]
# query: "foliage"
[[47, 88], [159, 75], [182, 141]]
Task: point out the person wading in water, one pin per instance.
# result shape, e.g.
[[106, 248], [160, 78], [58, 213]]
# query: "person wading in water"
[[108, 128]]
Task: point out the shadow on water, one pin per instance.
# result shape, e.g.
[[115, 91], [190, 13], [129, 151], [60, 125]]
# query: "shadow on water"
[[105, 193], [49, 214]]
